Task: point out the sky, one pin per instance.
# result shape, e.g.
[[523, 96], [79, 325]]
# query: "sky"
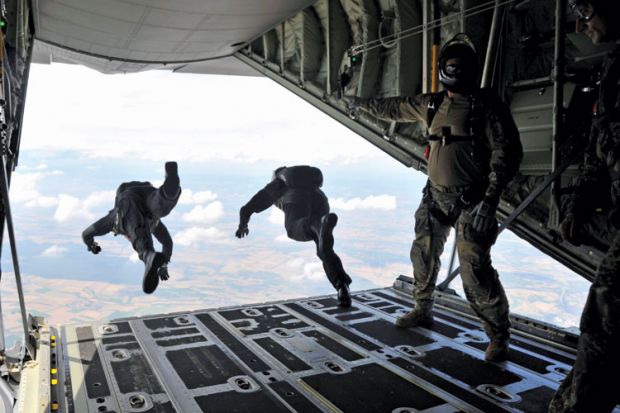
[[85, 133]]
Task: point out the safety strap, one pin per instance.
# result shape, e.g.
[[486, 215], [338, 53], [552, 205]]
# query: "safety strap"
[[476, 120], [431, 110], [447, 139]]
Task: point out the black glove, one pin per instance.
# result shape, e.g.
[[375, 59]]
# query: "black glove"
[[94, 248], [484, 215], [162, 272], [244, 220], [242, 231], [570, 229]]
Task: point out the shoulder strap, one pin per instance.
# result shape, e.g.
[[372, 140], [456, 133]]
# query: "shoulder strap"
[[431, 110], [477, 115]]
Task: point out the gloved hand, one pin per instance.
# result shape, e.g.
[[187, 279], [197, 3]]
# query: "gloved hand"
[[242, 231], [244, 220], [570, 229], [484, 215], [162, 272], [94, 248]]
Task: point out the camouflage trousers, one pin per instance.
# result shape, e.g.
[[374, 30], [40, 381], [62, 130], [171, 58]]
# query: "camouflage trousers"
[[590, 386], [433, 222]]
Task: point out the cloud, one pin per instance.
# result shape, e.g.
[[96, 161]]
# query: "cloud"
[[207, 214], [134, 257], [283, 238], [24, 190], [54, 251], [302, 270], [188, 197], [99, 198], [196, 235], [383, 202], [276, 216], [70, 208], [126, 105]]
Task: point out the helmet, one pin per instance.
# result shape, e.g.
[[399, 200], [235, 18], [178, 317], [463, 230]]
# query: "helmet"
[[460, 76], [274, 176]]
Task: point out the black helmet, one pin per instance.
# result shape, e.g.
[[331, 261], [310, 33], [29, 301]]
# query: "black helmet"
[[463, 76]]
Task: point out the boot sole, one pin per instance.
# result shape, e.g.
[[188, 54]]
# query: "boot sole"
[[151, 279]]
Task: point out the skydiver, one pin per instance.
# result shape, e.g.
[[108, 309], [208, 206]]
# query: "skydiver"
[[590, 387], [296, 191], [474, 150], [138, 209]]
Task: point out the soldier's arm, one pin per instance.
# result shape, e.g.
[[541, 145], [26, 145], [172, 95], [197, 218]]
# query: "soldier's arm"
[[163, 236], [506, 150], [263, 199], [101, 227], [400, 109]]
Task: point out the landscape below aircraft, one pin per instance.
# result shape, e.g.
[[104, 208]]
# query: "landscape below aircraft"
[[308, 355]]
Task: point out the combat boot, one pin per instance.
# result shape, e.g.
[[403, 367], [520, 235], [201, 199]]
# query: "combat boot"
[[152, 262], [415, 318], [172, 182], [344, 296], [497, 350]]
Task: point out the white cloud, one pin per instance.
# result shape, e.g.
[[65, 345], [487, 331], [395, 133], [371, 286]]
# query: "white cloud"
[[197, 235], [276, 216], [302, 270], [206, 214], [383, 202], [70, 208], [283, 238], [126, 105], [24, 190], [100, 198], [134, 257], [54, 251], [188, 197]]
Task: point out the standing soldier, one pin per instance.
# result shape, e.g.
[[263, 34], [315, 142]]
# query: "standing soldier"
[[296, 191], [590, 387], [474, 151], [138, 209]]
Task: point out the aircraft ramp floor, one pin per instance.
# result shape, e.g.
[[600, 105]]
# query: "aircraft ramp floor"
[[303, 355]]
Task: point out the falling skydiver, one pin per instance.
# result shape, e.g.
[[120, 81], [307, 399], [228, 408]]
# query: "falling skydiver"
[[138, 209], [296, 191]]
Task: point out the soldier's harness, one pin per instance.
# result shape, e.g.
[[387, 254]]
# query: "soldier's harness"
[[476, 125]]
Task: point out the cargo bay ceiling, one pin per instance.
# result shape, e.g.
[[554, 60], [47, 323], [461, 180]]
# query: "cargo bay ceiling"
[[305, 46], [115, 36]]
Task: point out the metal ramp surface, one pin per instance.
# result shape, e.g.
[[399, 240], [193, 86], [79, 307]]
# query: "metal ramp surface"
[[303, 355]]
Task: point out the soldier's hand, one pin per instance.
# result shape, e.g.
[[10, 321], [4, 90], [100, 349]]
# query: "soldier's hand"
[[484, 216], [162, 272], [569, 229], [242, 231], [94, 248]]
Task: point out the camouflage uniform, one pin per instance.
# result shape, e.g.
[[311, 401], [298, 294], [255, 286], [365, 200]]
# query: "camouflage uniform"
[[473, 167], [590, 386]]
